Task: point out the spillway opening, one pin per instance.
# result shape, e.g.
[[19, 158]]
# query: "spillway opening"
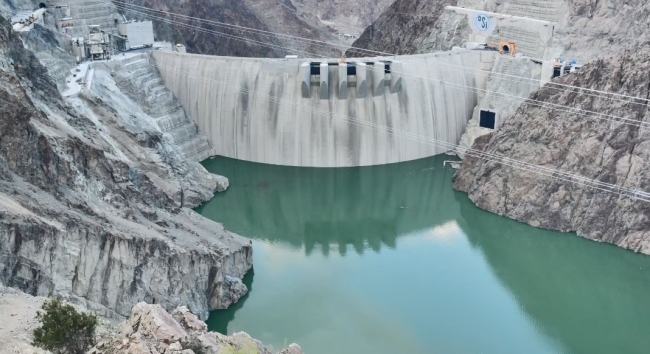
[[352, 69], [314, 68], [487, 119], [387, 67]]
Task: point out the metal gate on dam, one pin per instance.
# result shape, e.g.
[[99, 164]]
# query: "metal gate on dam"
[[324, 113]]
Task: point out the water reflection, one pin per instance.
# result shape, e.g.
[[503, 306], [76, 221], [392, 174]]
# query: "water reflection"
[[340, 210], [590, 296], [225, 317], [390, 259]]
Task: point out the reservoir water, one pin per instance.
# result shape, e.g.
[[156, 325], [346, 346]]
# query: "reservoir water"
[[390, 259]]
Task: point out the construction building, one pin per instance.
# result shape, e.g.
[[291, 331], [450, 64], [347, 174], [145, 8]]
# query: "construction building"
[[97, 44], [74, 17], [136, 34]]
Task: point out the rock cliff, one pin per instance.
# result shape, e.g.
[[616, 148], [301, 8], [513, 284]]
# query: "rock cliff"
[[569, 141], [93, 201], [413, 26], [151, 330], [345, 16], [216, 39], [148, 330], [205, 41], [587, 30], [563, 140]]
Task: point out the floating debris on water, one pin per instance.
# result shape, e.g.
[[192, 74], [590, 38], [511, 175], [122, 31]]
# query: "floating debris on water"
[[454, 164]]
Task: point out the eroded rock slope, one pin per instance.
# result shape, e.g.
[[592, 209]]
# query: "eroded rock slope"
[[590, 145], [93, 201], [247, 28], [151, 330], [587, 30]]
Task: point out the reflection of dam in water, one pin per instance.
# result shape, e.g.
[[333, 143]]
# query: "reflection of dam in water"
[[410, 266], [296, 112], [340, 209]]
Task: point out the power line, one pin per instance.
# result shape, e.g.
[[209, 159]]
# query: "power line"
[[362, 50], [533, 102], [222, 34], [537, 169], [504, 160]]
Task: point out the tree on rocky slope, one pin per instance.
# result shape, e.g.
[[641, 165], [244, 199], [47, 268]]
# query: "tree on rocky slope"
[[63, 329]]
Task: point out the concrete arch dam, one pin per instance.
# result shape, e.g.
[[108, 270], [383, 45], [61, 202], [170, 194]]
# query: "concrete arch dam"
[[321, 113]]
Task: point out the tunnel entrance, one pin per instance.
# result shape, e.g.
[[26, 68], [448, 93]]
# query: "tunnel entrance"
[[506, 49], [557, 71], [487, 119], [42, 6]]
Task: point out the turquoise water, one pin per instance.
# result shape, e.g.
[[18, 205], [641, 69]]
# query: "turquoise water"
[[389, 259]]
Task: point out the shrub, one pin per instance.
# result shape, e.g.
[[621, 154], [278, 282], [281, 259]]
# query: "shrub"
[[64, 330], [194, 345]]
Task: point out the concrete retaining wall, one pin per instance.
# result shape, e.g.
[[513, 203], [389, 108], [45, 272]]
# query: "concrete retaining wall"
[[264, 110]]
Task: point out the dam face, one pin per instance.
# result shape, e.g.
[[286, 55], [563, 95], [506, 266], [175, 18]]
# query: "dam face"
[[321, 113]]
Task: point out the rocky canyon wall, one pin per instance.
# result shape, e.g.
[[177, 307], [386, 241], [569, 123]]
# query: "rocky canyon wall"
[[594, 145], [614, 36], [586, 30], [94, 199]]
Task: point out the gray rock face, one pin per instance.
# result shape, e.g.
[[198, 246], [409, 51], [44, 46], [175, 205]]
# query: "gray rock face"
[[414, 26], [150, 330], [214, 39], [139, 79], [52, 50], [93, 201], [345, 16], [586, 30], [590, 145], [309, 19]]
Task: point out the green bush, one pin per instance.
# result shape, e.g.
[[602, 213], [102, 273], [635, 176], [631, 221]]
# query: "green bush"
[[64, 330], [194, 345]]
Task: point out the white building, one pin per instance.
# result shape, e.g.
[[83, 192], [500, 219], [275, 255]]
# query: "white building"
[[180, 48], [137, 34]]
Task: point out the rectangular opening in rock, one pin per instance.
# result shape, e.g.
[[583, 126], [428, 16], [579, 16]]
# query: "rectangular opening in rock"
[[487, 119]]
